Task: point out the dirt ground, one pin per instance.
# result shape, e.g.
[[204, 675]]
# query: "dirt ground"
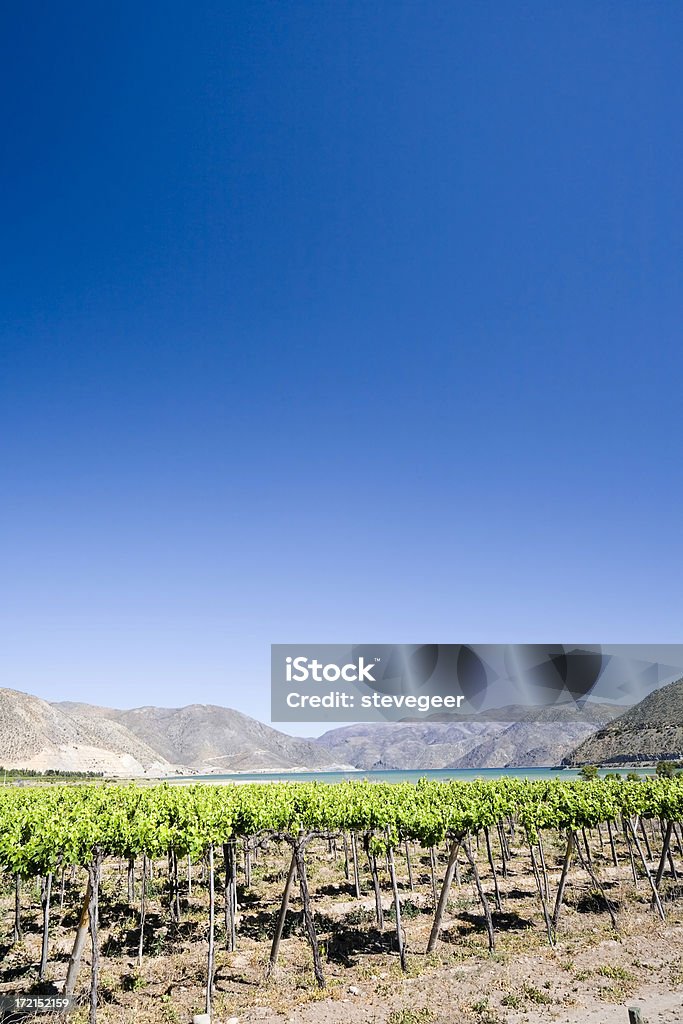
[[591, 976]]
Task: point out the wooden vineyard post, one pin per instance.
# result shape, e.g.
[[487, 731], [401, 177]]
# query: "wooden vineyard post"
[[544, 869], [79, 943], [410, 870], [143, 908], [489, 854], [613, 849], [563, 878], [432, 866], [588, 868], [643, 830], [176, 889], [665, 852], [586, 846], [247, 864], [94, 873], [356, 870], [17, 934], [45, 894], [275, 947], [397, 908], [230, 895], [482, 896], [443, 896], [542, 895], [504, 851], [308, 913], [648, 873], [131, 879], [211, 952], [634, 873], [677, 834], [372, 861]]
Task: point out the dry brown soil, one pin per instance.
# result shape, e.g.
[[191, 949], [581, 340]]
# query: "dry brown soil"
[[591, 976]]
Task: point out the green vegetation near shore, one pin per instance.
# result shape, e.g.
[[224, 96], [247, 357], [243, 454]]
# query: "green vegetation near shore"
[[50, 774]]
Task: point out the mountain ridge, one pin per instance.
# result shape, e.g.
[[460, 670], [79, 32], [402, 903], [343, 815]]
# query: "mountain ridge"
[[208, 738], [524, 737], [72, 736], [649, 731]]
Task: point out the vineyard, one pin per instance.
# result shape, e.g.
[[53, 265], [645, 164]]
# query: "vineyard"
[[100, 881]]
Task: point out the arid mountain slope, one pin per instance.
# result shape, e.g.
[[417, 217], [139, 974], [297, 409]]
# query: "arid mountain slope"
[[152, 741], [535, 738], [208, 737], [406, 745], [39, 735], [651, 730]]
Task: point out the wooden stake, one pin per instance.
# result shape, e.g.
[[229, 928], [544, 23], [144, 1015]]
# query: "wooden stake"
[[588, 867], [18, 932], [279, 928], [563, 879], [443, 897], [539, 886], [308, 914], [45, 893], [432, 865], [211, 951], [410, 870], [143, 908], [79, 943], [356, 871], [482, 896], [630, 854], [648, 873], [230, 895], [615, 859], [397, 910], [489, 854], [94, 872], [372, 861]]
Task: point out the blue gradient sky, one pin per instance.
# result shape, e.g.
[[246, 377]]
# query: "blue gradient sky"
[[334, 322]]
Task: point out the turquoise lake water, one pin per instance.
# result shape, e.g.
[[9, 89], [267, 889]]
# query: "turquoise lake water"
[[464, 774]]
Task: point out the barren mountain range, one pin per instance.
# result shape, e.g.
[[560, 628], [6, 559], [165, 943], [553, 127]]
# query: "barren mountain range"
[[651, 730], [206, 738], [144, 741], [158, 741], [528, 738]]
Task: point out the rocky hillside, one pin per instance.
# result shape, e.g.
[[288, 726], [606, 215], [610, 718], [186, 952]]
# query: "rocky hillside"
[[145, 741], [536, 737], [205, 736], [407, 745], [35, 734], [650, 731]]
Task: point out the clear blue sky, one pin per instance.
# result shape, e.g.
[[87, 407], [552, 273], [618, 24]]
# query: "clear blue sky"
[[330, 322]]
